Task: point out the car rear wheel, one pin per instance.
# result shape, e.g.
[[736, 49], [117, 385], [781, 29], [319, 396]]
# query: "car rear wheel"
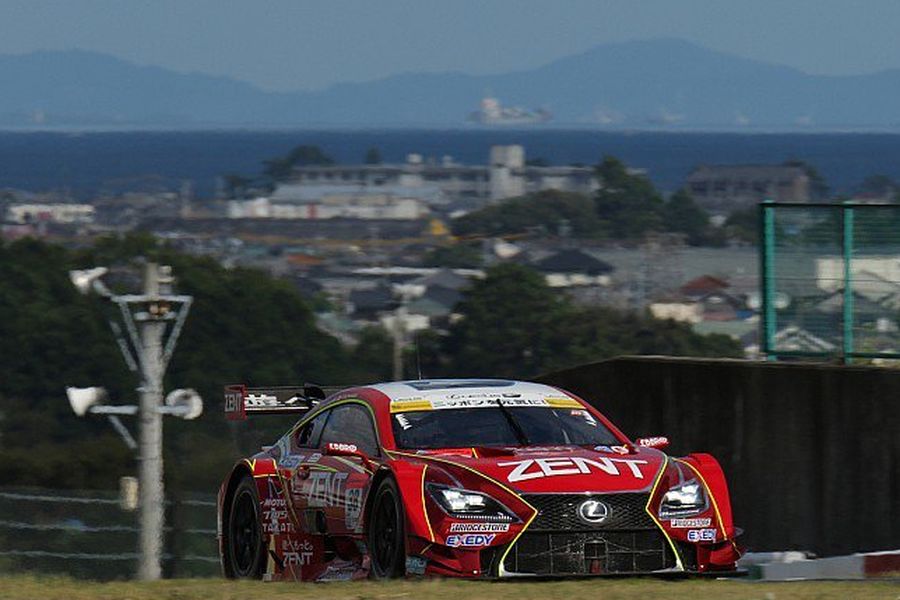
[[386, 535], [244, 548]]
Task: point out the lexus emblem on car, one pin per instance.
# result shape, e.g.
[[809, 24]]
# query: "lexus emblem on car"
[[594, 511]]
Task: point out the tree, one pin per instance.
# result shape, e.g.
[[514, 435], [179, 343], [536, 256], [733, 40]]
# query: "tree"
[[590, 334], [818, 187], [507, 320], [280, 168], [880, 186], [627, 205], [682, 215], [539, 210], [743, 225], [375, 349], [514, 325], [244, 327], [373, 156], [455, 256], [234, 184]]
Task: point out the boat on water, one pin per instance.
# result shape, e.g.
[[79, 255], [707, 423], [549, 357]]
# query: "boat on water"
[[492, 112]]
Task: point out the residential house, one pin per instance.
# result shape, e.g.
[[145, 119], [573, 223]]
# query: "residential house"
[[574, 267], [703, 299], [702, 286], [369, 304]]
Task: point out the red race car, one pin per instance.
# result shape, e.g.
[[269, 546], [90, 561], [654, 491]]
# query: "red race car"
[[463, 478]]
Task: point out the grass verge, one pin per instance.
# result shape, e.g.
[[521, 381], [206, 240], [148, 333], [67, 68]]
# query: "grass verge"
[[52, 588]]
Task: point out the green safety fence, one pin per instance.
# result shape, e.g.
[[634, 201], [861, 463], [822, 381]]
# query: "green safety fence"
[[830, 280]]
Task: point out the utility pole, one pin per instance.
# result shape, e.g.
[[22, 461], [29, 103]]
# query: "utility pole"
[[151, 503], [399, 338], [147, 349]]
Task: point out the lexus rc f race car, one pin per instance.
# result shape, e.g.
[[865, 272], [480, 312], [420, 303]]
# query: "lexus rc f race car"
[[463, 478]]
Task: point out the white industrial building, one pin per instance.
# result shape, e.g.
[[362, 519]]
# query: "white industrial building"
[[295, 201], [505, 176], [50, 213]]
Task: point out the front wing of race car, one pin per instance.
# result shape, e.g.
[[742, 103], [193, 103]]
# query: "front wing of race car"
[[541, 534]]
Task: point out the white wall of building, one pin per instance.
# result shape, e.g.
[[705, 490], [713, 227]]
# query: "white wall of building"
[[830, 270], [505, 176], [685, 312], [331, 207], [50, 213], [559, 280]]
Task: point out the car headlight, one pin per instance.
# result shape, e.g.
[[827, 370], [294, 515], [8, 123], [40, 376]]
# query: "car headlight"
[[466, 504], [687, 498]]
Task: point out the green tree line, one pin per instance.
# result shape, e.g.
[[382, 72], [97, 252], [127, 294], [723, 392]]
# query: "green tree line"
[[514, 325], [626, 207]]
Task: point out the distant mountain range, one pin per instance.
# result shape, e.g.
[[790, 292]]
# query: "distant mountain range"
[[657, 84]]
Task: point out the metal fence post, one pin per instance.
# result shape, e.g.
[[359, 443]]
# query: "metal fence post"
[[767, 243], [847, 251]]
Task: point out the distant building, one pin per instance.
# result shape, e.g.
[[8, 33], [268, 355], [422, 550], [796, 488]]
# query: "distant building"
[[702, 286], [436, 303], [723, 189], [719, 306], [797, 339], [293, 201], [507, 175], [443, 278], [572, 268], [873, 274], [677, 308], [702, 299], [50, 213], [370, 303], [15, 231], [715, 306]]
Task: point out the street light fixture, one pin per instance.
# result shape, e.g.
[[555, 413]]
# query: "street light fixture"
[[153, 321], [185, 404], [89, 279]]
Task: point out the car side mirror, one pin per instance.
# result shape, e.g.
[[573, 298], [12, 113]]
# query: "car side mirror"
[[659, 442], [342, 449]]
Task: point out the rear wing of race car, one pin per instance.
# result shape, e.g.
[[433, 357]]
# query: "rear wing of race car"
[[241, 400]]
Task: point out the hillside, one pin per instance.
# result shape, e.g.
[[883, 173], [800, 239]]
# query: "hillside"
[[666, 83]]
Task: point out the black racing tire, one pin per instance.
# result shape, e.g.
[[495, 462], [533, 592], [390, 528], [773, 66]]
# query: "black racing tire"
[[244, 551], [386, 534]]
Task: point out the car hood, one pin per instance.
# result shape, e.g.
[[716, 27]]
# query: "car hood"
[[561, 469]]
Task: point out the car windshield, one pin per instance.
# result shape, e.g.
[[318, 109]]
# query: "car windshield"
[[500, 426]]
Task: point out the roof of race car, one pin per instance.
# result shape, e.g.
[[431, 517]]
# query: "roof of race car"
[[436, 394]]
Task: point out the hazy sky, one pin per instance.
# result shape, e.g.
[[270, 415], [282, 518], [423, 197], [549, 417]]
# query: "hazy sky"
[[299, 44]]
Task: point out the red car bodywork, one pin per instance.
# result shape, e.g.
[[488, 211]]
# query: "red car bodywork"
[[314, 501]]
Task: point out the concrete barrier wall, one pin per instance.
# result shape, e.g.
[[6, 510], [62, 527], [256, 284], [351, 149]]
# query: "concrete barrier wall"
[[811, 452]]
